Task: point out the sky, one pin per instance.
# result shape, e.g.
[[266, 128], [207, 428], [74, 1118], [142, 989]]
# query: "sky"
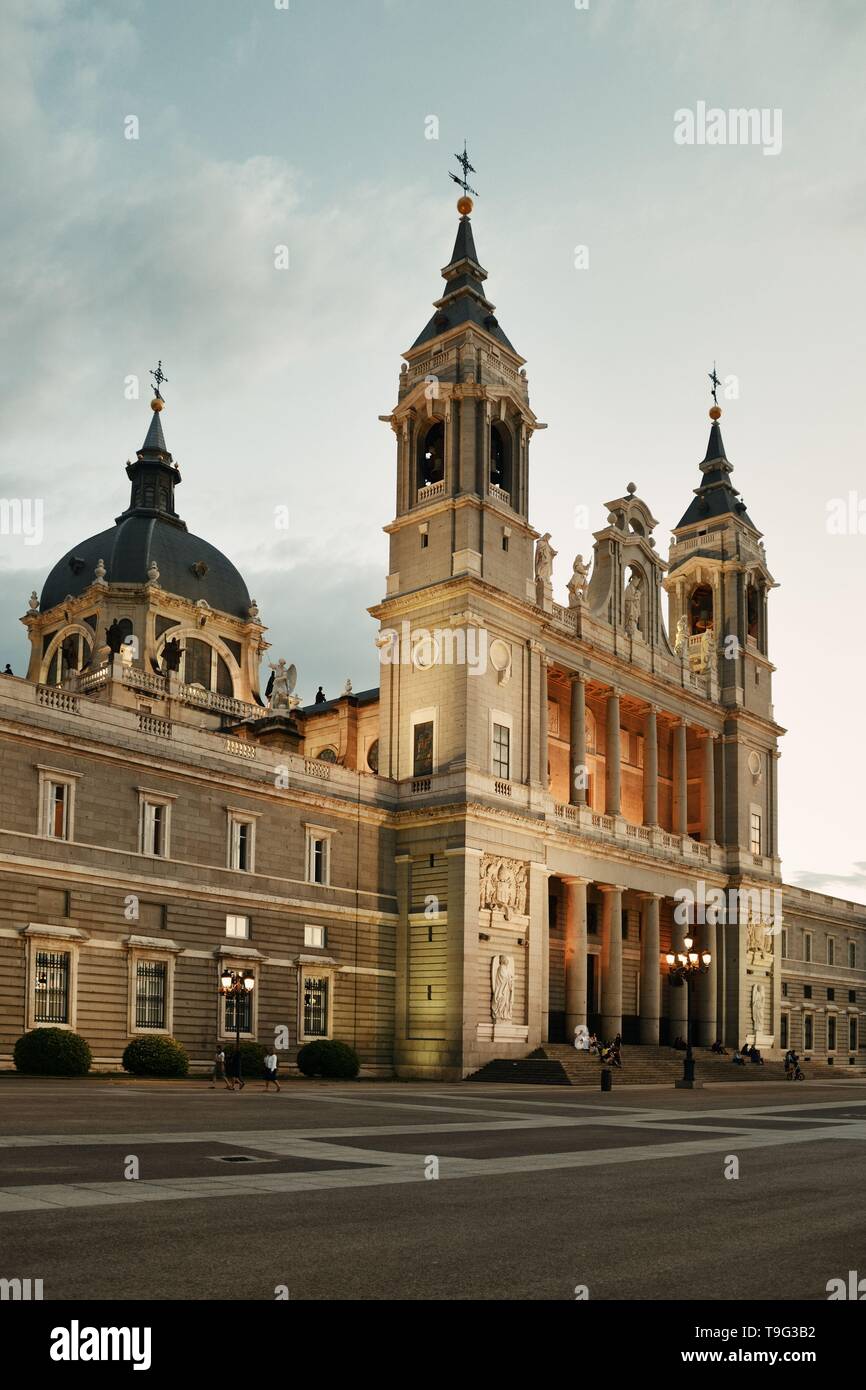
[[307, 125]]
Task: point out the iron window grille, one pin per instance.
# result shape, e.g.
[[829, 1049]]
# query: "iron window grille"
[[316, 1006], [150, 976], [52, 987]]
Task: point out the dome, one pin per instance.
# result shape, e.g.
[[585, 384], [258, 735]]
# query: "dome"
[[188, 566], [151, 532]]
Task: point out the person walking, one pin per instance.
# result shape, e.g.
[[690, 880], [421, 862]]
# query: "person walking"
[[219, 1070], [237, 1075], [271, 1065]]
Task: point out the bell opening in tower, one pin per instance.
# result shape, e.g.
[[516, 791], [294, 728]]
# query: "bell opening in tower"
[[431, 455], [700, 609], [753, 611], [500, 458]]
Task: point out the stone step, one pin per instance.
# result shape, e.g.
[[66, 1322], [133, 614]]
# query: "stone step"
[[559, 1064]]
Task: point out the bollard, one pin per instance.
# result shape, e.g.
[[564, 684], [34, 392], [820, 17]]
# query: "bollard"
[[606, 1078]]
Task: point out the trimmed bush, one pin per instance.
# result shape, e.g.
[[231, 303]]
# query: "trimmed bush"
[[155, 1056], [331, 1059], [52, 1052]]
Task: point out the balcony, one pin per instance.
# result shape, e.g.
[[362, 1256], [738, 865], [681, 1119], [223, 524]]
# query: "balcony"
[[582, 820]]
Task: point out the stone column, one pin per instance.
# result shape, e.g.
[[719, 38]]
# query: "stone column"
[[461, 1011], [709, 788], [613, 800], [773, 771], [611, 960], [650, 970], [680, 780], [542, 722], [403, 870], [651, 767], [577, 794], [705, 1001], [575, 954], [537, 961]]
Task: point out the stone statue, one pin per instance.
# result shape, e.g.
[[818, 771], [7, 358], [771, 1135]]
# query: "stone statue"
[[544, 558], [34, 602], [347, 689], [681, 640], [757, 1009], [152, 573], [253, 612], [577, 582], [708, 649], [281, 684], [631, 604], [127, 650], [171, 654], [114, 637], [69, 652], [502, 988]]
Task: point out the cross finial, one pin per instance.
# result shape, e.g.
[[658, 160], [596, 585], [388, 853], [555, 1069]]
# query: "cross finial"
[[463, 161], [159, 377], [716, 384]]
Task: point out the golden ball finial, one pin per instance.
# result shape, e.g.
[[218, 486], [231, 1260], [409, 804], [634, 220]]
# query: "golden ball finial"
[[465, 205], [715, 412], [157, 403]]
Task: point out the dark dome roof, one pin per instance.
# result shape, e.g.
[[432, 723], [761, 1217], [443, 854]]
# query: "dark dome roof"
[[127, 549], [151, 530]]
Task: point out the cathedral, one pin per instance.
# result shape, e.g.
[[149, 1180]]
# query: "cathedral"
[[502, 843]]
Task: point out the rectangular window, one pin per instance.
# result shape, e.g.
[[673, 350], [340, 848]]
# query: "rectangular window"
[[852, 1035], [57, 797], [808, 1032], [150, 977], [238, 926], [755, 832], [242, 832], [239, 1007], [831, 1033], [783, 1032], [852, 996], [314, 936], [807, 945], [831, 994], [784, 942], [422, 749], [153, 829], [502, 751], [807, 991], [318, 858], [316, 1006], [785, 989], [831, 950], [852, 955], [52, 987]]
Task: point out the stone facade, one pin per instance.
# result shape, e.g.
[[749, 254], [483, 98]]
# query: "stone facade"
[[492, 848]]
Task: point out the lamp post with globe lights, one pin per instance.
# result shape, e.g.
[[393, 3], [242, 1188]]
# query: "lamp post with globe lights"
[[237, 985], [684, 967]]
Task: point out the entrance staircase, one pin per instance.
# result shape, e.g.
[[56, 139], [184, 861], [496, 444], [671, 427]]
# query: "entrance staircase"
[[558, 1064]]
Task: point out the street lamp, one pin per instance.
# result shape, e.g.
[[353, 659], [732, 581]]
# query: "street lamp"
[[237, 984], [684, 967]]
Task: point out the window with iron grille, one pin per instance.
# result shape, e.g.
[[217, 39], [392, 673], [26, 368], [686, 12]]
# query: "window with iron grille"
[[239, 1006], [52, 987], [502, 751], [316, 1006], [831, 1033], [150, 976]]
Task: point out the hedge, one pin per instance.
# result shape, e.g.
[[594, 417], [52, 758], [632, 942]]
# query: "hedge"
[[52, 1052], [155, 1056], [329, 1059]]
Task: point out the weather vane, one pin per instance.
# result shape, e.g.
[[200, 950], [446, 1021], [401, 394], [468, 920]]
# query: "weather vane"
[[159, 377], [463, 161], [716, 384]]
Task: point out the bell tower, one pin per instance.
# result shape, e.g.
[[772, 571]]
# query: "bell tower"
[[463, 425]]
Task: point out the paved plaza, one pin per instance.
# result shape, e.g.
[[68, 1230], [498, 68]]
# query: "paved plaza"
[[539, 1191]]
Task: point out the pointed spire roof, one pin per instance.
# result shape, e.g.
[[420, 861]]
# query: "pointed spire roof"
[[464, 300], [153, 473], [154, 441], [716, 496]]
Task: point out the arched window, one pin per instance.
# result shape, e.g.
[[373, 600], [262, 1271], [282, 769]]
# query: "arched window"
[[500, 456], [327, 755], [224, 683], [700, 609], [197, 663], [431, 455], [373, 756], [753, 610], [589, 734]]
